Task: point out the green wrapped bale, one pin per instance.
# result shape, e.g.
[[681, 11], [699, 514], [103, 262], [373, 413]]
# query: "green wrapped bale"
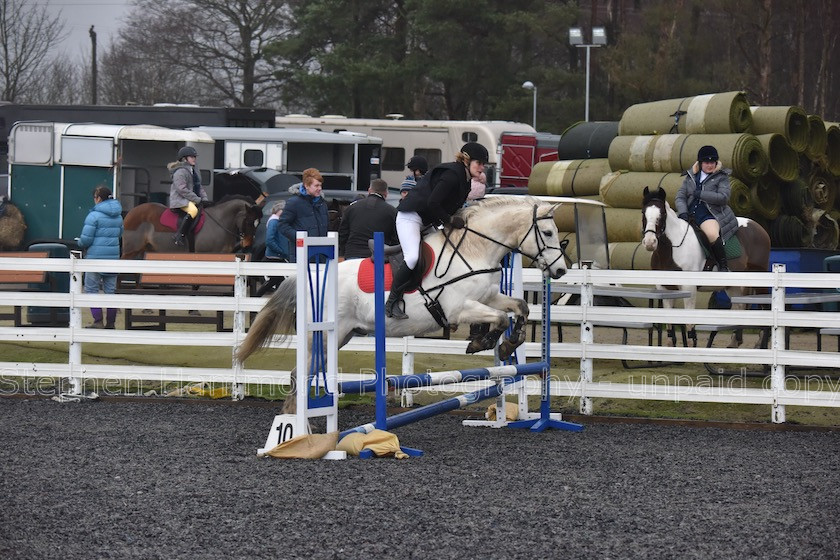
[[766, 199], [623, 189], [623, 224], [795, 196], [586, 140], [714, 113], [832, 148], [790, 121], [826, 230], [579, 177], [674, 153], [629, 255], [740, 198], [783, 160], [817, 138]]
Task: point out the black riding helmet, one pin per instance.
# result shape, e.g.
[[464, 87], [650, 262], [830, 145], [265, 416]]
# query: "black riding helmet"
[[187, 151], [476, 151]]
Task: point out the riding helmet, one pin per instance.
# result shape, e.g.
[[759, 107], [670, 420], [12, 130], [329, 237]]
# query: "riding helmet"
[[187, 151], [476, 151], [418, 162], [707, 153]]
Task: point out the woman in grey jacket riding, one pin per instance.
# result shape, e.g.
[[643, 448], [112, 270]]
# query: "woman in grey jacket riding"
[[703, 198]]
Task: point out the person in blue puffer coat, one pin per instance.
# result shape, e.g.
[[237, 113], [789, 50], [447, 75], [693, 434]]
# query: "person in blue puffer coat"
[[305, 210], [100, 236]]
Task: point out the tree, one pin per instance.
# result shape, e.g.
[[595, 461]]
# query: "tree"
[[219, 43], [27, 34]]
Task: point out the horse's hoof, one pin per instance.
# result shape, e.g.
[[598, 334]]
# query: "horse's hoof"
[[473, 347], [506, 350]]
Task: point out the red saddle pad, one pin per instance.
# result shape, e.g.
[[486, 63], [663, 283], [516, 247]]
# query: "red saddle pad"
[[169, 219], [366, 279]]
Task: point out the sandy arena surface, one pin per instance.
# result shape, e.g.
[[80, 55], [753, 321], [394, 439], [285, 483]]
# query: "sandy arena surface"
[[181, 480]]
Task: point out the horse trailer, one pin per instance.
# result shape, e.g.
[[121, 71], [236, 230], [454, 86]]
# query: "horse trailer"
[[54, 167], [347, 160], [437, 141]]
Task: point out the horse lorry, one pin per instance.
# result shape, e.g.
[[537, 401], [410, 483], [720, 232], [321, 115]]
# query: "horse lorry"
[[54, 167], [347, 160]]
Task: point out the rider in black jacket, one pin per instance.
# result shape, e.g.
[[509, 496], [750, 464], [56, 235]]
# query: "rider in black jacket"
[[438, 195]]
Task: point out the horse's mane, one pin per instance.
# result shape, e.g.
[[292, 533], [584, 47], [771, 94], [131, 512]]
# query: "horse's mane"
[[492, 204], [503, 211]]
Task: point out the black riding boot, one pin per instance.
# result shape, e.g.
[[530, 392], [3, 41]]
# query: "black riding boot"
[[719, 252], [180, 236], [399, 284]]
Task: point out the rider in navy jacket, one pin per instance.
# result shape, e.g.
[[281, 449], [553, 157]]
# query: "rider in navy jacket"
[[305, 210]]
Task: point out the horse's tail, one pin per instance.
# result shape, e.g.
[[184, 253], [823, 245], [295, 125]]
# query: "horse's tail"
[[278, 314]]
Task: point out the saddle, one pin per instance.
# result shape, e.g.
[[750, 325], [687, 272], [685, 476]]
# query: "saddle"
[[171, 219], [732, 246], [393, 259]]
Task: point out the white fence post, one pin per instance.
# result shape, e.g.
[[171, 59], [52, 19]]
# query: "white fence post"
[[75, 318]]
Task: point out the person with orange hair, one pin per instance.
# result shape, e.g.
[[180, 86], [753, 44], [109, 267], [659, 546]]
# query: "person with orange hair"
[[305, 210]]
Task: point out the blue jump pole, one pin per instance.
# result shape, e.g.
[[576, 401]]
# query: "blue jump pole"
[[434, 409], [444, 377]]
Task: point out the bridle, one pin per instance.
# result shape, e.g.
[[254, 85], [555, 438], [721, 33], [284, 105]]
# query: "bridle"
[[241, 227], [542, 246], [660, 225]]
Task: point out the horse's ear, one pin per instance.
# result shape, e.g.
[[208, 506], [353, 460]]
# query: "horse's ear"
[[646, 192], [661, 192]]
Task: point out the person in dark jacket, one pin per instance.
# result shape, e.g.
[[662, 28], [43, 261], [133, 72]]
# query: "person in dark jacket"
[[437, 196], [276, 247], [704, 198], [364, 217], [305, 210], [101, 235]]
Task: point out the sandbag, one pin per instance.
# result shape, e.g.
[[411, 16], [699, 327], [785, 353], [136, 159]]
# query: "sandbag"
[[782, 159], [674, 153], [587, 140], [579, 177], [792, 122], [714, 113]]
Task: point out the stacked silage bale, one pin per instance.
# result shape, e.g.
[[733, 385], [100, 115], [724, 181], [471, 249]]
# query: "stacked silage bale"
[[785, 166]]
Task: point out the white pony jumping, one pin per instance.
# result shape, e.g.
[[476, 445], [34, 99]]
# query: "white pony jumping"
[[462, 283]]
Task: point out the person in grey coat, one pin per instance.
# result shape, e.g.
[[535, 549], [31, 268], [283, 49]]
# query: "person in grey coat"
[[186, 193], [101, 235], [703, 198]]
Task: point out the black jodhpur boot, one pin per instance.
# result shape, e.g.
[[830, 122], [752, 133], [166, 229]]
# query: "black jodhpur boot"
[[399, 284], [180, 236], [719, 252]]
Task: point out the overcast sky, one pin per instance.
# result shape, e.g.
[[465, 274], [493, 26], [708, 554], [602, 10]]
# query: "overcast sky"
[[78, 15]]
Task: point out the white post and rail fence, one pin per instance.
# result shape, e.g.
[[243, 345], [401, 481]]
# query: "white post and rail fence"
[[777, 390]]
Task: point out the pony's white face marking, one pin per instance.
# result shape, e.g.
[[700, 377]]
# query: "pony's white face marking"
[[652, 217], [544, 242]]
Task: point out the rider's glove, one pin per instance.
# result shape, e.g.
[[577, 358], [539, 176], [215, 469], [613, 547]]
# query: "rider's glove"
[[684, 216], [457, 222]]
